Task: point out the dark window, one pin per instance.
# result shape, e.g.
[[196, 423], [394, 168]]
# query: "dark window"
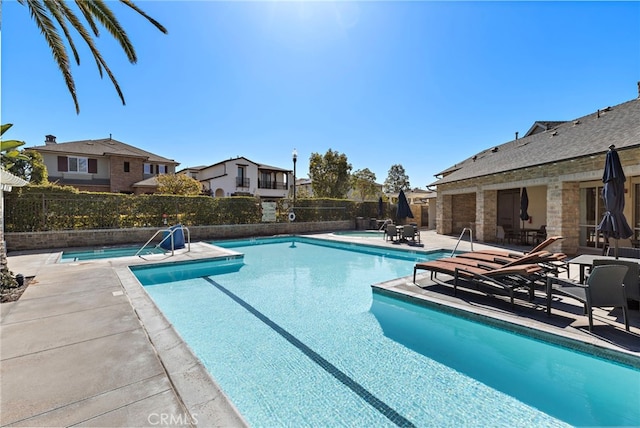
[[126, 167], [62, 164], [92, 166]]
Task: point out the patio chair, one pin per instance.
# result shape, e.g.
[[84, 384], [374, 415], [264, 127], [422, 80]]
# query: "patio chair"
[[629, 252], [541, 234], [603, 288], [409, 233], [631, 279], [391, 232]]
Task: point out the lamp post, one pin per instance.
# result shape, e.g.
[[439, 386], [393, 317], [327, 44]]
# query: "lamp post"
[[295, 159]]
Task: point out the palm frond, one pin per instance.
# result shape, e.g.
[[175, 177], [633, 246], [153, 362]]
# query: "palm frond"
[[141, 12], [5, 127], [58, 50], [55, 7], [104, 15]]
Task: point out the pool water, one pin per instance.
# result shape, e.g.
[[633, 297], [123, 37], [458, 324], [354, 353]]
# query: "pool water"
[[295, 337], [106, 253]]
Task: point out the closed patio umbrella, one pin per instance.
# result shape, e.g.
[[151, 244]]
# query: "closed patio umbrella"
[[524, 205], [614, 224], [403, 210], [380, 207]]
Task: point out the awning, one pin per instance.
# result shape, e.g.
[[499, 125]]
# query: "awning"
[[8, 181]]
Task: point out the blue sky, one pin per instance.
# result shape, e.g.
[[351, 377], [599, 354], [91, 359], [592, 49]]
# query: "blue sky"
[[421, 84]]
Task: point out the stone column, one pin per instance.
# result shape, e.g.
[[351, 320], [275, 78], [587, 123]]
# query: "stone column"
[[486, 215], [444, 218], [563, 214]]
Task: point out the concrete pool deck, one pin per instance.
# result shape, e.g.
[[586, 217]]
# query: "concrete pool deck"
[[85, 345]]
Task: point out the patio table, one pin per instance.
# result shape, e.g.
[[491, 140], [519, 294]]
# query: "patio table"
[[585, 260]]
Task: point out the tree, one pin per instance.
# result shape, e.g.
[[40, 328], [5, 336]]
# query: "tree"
[[329, 174], [396, 180], [178, 184], [364, 185], [8, 149], [31, 168], [45, 12]]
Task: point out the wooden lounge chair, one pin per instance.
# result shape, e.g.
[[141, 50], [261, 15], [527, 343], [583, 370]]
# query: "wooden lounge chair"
[[513, 254], [505, 278], [552, 263]]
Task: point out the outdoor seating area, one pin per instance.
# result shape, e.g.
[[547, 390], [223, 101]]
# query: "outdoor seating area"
[[507, 272], [403, 234]]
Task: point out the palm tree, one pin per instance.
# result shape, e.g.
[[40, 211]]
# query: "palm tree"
[[45, 12]]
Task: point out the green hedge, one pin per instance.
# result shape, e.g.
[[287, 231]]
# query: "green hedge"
[[42, 208]]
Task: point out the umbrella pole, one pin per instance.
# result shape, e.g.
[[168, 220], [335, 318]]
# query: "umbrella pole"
[[615, 249]]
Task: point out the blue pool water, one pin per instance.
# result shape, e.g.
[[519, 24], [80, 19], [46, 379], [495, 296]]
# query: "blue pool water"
[[106, 253], [295, 337]]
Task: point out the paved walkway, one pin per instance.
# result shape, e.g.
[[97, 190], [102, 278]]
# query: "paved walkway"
[[85, 345]]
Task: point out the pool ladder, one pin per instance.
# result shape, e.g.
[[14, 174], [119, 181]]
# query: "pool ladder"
[[170, 233], [466, 229]]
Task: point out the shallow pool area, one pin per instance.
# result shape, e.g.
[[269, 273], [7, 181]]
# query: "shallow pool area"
[[293, 334], [106, 253]]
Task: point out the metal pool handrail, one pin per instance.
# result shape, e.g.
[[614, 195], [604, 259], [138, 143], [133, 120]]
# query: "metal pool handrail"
[[460, 238], [169, 235]]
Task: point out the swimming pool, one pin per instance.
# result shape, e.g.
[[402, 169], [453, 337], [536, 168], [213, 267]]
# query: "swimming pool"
[[106, 253], [294, 336]]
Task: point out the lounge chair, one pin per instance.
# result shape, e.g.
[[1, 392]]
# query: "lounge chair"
[[505, 278], [603, 288], [541, 246], [552, 263]]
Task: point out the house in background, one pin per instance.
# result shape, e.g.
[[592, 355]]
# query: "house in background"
[[242, 177], [104, 165], [561, 166]]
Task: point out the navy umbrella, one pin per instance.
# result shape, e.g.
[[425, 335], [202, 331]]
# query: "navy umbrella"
[[524, 205], [614, 224], [380, 207], [403, 210]]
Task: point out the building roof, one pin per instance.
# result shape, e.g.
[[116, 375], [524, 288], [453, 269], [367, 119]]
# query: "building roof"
[[103, 147], [260, 166], [585, 136], [543, 125]]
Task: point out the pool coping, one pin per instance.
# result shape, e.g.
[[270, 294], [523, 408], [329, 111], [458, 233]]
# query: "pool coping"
[[199, 392]]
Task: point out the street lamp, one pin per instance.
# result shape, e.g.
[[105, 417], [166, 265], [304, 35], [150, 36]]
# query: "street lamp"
[[295, 159]]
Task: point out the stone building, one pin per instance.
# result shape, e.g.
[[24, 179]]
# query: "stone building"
[[561, 165]]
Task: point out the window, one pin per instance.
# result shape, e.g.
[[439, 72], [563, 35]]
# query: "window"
[[161, 169], [148, 168], [126, 167], [591, 213]]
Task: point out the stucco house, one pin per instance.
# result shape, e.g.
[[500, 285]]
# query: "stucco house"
[[104, 165], [561, 166], [242, 177]]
